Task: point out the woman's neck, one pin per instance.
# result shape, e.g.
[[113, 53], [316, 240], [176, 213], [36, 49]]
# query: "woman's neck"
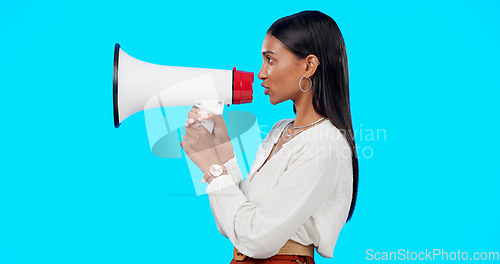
[[305, 113]]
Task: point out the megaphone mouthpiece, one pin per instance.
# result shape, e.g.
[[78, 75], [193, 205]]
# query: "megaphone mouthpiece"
[[242, 87]]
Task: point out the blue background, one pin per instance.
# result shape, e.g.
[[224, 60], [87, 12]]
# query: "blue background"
[[73, 189]]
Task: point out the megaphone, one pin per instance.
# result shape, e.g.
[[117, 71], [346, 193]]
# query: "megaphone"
[[139, 85]]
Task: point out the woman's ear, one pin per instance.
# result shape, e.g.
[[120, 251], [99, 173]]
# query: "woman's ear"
[[312, 63]]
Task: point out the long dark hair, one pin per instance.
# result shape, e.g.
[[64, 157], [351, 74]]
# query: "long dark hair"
[[312, 32]]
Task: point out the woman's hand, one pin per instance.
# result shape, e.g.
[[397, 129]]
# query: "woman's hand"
[[198, 145], [220, 136]]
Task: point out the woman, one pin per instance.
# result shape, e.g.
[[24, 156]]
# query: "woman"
[[303, 184]]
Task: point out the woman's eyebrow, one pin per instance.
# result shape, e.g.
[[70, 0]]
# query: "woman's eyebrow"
[[267, 52]]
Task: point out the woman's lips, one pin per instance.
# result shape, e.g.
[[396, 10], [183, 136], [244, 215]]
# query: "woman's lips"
[[266, 90]]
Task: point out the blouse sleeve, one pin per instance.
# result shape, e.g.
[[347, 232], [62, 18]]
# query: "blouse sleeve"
[[259, 231], [234, 170]]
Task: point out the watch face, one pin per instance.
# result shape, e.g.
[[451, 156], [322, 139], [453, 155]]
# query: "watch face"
[[216, 170]]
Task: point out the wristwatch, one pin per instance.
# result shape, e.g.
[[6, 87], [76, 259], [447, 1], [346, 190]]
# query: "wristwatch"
[[215, 171]]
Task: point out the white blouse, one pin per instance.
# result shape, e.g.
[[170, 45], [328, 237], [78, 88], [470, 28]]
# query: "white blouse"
[[302, 193]]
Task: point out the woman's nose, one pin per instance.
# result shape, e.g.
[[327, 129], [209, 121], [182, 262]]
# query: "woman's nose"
[[262, 73]]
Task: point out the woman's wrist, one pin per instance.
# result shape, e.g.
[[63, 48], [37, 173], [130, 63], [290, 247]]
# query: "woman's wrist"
[[225, 151]]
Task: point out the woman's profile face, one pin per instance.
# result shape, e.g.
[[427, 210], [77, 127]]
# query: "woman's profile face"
[[281, 71]]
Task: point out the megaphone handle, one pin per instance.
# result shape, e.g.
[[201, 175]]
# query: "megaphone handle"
[[215, 106], [209, 125]]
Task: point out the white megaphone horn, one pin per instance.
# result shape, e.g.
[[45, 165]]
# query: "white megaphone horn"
[[139, 85]]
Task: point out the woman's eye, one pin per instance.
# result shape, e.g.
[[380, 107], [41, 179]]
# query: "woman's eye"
[[269, 59]]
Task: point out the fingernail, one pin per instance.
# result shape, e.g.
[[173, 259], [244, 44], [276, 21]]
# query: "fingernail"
[[186, 125], [191, 120]]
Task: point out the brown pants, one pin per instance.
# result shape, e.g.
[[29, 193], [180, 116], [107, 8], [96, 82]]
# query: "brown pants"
[[276, 259]]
